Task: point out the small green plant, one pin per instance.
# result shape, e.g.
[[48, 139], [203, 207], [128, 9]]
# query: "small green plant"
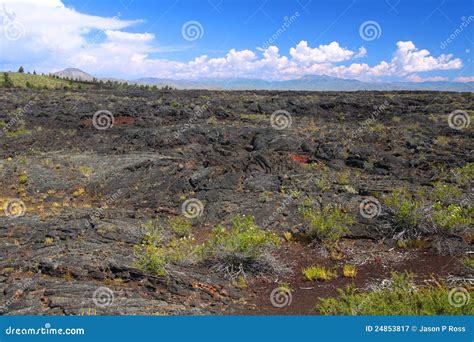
[[322, 184], [464, 176], [285, 288], [344, 177], [405, 208], [150, 258], [413, 243], [265, 196], [180, 226], [156, 251], [243, 247], [320, 273], [441, 140], [295, 194], [468, 262], [212, 120], [48, 241], [7, 81], [23, 178], [445, 192], [349, 271], [240, 282], [327, 225], [18, 132], [402, 297], [254, 117], [451, 217]]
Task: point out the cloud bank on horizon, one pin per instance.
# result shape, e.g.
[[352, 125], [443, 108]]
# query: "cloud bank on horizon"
[[64, 40]]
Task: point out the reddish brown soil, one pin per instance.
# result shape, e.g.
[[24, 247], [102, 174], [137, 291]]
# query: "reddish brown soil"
[[305, 293]]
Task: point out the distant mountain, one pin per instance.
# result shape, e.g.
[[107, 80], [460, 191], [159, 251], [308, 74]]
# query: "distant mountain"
[[309, 83], [74, 74]]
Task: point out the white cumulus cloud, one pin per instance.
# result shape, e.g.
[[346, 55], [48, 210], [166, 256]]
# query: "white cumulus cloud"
[[56, 37]]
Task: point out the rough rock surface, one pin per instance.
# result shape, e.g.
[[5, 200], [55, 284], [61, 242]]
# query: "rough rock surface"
[[88, 190]]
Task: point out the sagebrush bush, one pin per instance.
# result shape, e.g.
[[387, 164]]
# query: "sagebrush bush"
[[181, 226], [158, 250], [405, 208], [445, 193], [451, 217], [403, 297], [245, 247], [327, 225], [464, 176]]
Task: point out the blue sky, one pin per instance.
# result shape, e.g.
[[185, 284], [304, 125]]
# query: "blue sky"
[[137, 38]]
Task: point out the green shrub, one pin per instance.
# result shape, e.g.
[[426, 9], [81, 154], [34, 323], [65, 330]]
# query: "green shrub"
[[401, 298], [320, 273], [242, 248], [405, 208], [445, 193], [156, 251], [468, 262], [180, 226], [327, 225], [7, 81], [451, 217], [464, 175], [151, 258]]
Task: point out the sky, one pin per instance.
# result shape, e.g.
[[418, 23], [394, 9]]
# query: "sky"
[[383, 40]]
